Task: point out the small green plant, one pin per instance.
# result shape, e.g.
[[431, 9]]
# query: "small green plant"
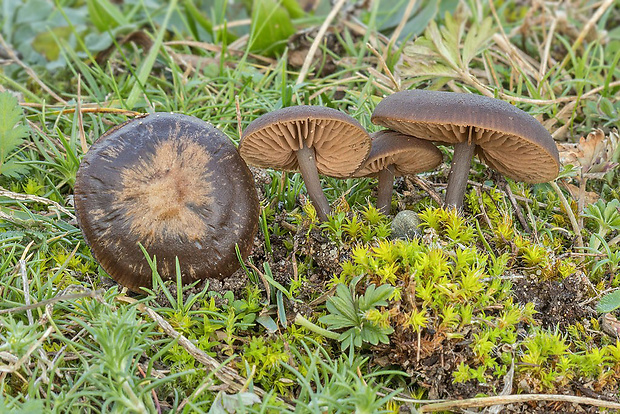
[[264, 357], [358, 314], [607, 218], [338, 384]]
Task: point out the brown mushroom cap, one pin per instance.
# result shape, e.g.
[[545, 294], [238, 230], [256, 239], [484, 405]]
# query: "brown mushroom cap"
[[173, 183], [407, 154], [507, 138], [340, 143]]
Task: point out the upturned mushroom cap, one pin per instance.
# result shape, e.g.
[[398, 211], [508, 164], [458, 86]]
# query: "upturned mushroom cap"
[[340, 143], [407, 154], [507, 138], [176, 185]]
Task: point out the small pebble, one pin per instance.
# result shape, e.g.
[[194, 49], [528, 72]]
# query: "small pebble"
[[405, 225]]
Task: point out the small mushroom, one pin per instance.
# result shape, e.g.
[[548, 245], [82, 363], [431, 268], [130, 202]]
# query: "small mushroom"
[[312, 139], [395, 154], [174, 184], [506, 138]]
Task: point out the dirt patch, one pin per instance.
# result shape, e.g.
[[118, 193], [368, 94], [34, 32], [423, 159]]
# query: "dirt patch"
[[559, 303]]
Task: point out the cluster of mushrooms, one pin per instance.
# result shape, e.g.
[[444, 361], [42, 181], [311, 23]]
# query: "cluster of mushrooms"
[[176, 188]]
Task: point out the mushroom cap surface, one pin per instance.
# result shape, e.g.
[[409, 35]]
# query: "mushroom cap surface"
[[507, 139], [340, 143], [174, 184], [407, 154]]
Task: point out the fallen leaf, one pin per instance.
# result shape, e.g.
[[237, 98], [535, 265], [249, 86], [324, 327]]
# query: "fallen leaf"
[[610, 325], [590, 196], [595, 154]]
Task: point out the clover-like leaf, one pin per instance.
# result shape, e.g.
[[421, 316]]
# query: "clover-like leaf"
[[348, 310]]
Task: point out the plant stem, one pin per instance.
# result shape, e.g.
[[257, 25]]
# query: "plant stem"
[[300, 320], [457, 178], [570, 214], [307, 166], [515, 399]]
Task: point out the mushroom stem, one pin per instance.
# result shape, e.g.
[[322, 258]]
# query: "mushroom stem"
[[310, 174], [384, 189], [459, 171]]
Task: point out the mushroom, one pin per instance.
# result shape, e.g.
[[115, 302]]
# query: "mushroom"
[[395, 154], [311, 139], [177, 186], [506, 138]]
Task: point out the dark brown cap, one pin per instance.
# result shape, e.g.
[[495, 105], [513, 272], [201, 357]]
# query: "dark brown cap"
[[173, 183], [407, 154], [507, 138], [340, 143]]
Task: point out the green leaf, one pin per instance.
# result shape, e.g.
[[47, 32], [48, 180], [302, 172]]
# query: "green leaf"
[[609, 302], [13, 170], [375, 296], [447, 40], [11, 134], [476, 40], [606, 215], [105, 15], [271, 27], [447, 51], [46, 43], [347, 310], [293, 8]]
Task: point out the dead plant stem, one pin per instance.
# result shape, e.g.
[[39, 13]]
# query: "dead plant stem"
[[512, 399], [317, 41]]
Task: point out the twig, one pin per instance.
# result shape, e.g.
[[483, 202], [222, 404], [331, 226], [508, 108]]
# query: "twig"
[[97, 110], [385, 67], [24, 274], [218, 49], [317, 40], [88, 294], [29, 71], [263, 279], [27, 197], [569, 213], [400, 27], [511, 399], [413, 179], [419, 348], [516, 206], [238, 112], [517, 197], [546, 51], [80, 119]]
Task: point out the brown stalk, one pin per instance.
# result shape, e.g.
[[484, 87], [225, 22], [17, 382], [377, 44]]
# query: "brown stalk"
[[512, 399]]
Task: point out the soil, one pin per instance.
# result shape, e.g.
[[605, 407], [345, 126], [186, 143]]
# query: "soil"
[[558, 303]]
